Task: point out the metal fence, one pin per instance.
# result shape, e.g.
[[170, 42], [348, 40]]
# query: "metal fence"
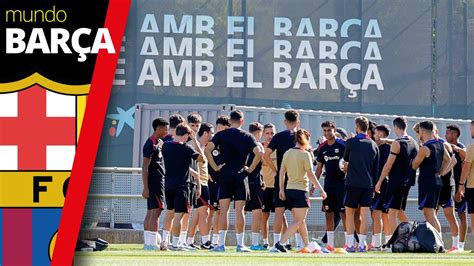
[[310, 120], [115, 198]]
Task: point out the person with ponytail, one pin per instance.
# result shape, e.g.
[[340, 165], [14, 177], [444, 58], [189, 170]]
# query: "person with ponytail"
[[297, 165]]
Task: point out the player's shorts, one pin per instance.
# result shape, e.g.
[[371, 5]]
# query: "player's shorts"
[[277, 202], [213, 195], [462, 205], [379, 198], [446, 197], [297, 198], [156, 197], [428, 196], [396, 197], [335, 200], [469, 195], [234, 187], [192, 194], [268, 205], [407, 192], [203, 200], [358, 197], [256, 198], [177, 199]]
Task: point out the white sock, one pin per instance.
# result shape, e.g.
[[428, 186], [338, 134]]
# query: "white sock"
[[215, 239], [456, 241], [240, 239], [166, 236], [255, 238], [377, 240], [153, 238], [287, 242], [145, 237], [205, 239], [387, 238], [182, 237], [175, 241], [461, 245], [330, 238], [363, 240], [299, 240], [265, 241], [350, 240], [222, 234], [190, 240], [276, 237]]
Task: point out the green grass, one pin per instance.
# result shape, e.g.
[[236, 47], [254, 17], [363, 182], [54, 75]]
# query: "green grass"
[[126, 254]]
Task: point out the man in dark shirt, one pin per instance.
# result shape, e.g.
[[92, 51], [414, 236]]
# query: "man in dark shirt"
[[153, 172], [235, 145], [178, 159], [401, 176], [222, 123], [194, 122], [433, 160], [174, 121], [280, 143], [328, 155], [255, 203], [379, 212], [453, 132], [362, 155], [446, 198]]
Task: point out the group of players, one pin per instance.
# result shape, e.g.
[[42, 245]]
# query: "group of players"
[[190, 166]]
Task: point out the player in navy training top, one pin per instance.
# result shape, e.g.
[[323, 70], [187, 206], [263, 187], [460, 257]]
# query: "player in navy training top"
[[153, 172], [446, 198], [403, 151], [235, 145], [433, 161], [255, 203], [453, 132], [222, 123], [379, 212], [280, 143], [362, 156], [328, 155], [178, 159]]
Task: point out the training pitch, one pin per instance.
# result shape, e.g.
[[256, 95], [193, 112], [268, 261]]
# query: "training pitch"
[[134, 255]]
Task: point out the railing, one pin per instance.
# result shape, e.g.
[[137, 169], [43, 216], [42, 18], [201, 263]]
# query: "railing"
[[115, 198]]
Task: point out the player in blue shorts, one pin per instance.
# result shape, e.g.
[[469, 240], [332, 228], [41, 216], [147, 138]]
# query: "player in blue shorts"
[[362, 155], [379, 212], [401, 176], [153, 174], [174, 121], [433, 160], [222, 123], [178, 157], [328, 155], [235, 145], [255, 203], [453, 132]]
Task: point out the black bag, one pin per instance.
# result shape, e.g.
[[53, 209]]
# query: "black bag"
[[96, 244], [416, 237], [429, 239]]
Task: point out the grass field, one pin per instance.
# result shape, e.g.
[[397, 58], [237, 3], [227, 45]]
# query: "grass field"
[[135, 255]]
